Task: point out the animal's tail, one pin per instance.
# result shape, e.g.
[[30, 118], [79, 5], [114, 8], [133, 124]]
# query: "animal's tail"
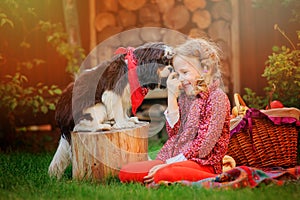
[[61, 160]]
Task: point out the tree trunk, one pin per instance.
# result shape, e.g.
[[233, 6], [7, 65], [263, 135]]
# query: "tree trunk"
[[99, 155]]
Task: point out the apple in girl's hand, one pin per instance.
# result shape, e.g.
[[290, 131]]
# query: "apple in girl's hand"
[[275, 104]]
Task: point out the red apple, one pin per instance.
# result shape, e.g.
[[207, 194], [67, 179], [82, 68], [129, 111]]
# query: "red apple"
[[275, 104]]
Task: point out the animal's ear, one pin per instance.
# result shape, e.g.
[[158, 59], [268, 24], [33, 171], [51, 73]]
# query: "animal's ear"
[[168, 55], [169, 52]]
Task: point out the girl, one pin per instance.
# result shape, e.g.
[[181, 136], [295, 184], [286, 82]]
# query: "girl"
[[198, 120]]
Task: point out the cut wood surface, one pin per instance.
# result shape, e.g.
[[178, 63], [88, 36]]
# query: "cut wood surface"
[[165, 5], [149, 13], [174, 38], [193, 5], [127, 18], [99, 155], [132, 4], [176, 17], [151, 34], [111, 5], [131, 38], [210, 19], [108, 32], [222, 10], [202, 18], [219, 30], [225, 49], [197, 33], [103, 20]]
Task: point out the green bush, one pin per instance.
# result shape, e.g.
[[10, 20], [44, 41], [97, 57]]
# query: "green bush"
[[18, 95], [282, 72]]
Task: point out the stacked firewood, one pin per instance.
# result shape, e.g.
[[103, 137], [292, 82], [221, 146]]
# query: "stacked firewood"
[[194, 18]]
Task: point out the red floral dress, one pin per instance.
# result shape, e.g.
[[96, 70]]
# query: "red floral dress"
[[202, 132]]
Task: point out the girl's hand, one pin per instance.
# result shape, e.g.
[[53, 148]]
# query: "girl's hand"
[[173, 84], [150, 177]]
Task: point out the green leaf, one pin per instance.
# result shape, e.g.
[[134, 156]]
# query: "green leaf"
[[36, 103], [57, 91], [51, 92], [51, 106], [13, 104], [275, 48], [44, 109]]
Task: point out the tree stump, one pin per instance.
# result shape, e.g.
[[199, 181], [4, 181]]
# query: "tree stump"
[[99, 155]]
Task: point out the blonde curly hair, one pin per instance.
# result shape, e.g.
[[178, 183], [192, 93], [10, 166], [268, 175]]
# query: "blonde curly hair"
[[207, 53]]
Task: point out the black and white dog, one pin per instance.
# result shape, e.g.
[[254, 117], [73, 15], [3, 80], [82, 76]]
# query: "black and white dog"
[[104, 93]]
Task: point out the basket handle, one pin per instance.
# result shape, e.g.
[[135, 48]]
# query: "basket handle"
[[238, 100]]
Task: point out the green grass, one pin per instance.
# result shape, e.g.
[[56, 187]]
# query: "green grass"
[[24, 176]]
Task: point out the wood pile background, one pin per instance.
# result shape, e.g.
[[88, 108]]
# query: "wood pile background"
[[194, 18]]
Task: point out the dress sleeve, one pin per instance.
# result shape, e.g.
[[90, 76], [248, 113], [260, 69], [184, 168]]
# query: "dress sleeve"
[[172, 118], [205, 141], [172, 130], [172, 122]]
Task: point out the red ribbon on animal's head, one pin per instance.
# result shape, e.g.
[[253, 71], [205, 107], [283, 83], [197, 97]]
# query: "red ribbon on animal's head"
[[137, 92]]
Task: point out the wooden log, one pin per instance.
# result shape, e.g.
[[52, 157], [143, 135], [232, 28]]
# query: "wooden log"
[[225, 49], [165, 5], [153, 24], [131, 38], [219, 29], [150, 34], [108, 32], [197, 33], [176, 17], [202, 18], [149, 13], [174, 38], [126, 18], [193, 5], [111, 5], [132, 4], [226, 75], [221, 10], [99, 155], [105, 54], [103, 20]]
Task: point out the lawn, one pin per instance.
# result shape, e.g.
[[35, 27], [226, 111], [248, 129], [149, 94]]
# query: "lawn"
[[24, 176]]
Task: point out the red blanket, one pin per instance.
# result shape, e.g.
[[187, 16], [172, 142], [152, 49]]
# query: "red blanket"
[[241, 177]]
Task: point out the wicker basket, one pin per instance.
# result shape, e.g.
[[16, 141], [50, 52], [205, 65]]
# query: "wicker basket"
[[264, 144]]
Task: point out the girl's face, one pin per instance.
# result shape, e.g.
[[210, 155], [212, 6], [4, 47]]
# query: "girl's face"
[[188, 73]]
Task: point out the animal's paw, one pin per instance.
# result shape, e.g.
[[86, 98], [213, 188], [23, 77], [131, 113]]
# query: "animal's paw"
[[83, 125], [134, 120], [103, 127], [90, 126], [124, 124]]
